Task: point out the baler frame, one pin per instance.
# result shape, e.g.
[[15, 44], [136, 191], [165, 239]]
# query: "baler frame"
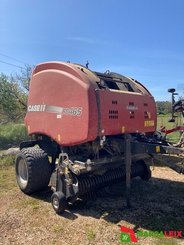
[[67, 187]]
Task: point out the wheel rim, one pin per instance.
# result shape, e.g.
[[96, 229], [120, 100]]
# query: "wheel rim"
[[55, 203], [22, 172]]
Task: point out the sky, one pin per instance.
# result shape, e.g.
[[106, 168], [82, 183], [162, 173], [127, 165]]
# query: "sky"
[[142, 39]]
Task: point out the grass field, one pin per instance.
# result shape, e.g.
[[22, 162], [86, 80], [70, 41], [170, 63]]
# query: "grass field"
[[163, 120], [157, 205]]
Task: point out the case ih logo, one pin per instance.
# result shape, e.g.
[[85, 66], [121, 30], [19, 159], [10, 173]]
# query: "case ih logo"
[[73, 111], [128, 235]]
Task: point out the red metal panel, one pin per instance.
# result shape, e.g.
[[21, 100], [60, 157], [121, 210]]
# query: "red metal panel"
[[62, 106], [66, 104], [126, 112]]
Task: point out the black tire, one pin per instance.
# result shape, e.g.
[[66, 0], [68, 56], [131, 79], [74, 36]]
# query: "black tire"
[[33, 170], [146, 175], [59, 202]]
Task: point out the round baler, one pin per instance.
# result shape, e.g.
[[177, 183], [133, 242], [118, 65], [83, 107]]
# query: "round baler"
[[77, 120]]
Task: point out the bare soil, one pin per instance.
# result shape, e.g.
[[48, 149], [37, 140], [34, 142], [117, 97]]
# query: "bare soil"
[[157, 205]]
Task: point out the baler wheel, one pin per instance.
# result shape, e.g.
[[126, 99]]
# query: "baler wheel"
[[59, 202], [33, 170], [146, 175]]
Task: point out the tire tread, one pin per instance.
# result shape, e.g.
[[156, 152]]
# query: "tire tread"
[[39, 169]]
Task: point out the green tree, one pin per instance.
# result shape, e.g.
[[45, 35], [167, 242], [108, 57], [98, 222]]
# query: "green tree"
[[13, 94], [10, 107], [163, 107]]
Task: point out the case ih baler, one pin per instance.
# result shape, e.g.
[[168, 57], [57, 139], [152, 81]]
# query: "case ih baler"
[[88, 130]]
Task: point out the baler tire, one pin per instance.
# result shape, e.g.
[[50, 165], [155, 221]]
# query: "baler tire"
[[33, 170], [147, 172], [59, 202]]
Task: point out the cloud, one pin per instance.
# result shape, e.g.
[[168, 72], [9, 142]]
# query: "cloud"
[[88, 40]]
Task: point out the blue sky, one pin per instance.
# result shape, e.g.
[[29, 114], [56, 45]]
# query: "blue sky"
[[142, 39]]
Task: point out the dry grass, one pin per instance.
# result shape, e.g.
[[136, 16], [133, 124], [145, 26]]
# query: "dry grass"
[[157, 205], [7, 180]]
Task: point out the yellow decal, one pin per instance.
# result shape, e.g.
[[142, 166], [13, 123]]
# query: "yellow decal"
[[149, 123], [157, 148], [59, 137], [123, 129]]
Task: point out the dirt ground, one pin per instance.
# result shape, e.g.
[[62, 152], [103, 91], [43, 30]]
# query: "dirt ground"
[[157, 205]]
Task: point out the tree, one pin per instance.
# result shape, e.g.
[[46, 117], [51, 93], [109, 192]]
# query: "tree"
[[8, 101], [13, 95], [164, 107], [24, 77]]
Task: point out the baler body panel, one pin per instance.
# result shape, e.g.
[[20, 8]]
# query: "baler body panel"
[[72, 105], [126, 112], [61, 105]]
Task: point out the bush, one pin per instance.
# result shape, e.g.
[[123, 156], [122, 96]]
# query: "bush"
[[11, 135]]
